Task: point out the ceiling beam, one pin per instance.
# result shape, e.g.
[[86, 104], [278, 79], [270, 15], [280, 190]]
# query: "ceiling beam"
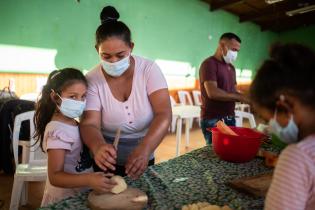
[[215, 5], [273, 9], [285, 23], [252, 7]]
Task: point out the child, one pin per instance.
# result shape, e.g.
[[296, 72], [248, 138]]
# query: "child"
[[286, 82], [69, 164]]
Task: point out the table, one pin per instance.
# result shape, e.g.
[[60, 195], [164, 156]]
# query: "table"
[[185, 112], [196, 176]]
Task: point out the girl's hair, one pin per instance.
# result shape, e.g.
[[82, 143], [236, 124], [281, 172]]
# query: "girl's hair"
[[57, 81], [290, 70], [111, 27]]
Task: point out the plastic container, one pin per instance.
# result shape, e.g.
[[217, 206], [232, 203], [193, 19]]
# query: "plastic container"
[[237, 149]]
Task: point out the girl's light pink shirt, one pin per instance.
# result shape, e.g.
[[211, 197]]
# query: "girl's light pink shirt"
[[293, 183], [59, 135], [134, 115]]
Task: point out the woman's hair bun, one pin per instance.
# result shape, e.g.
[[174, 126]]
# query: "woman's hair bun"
[[109, 14]]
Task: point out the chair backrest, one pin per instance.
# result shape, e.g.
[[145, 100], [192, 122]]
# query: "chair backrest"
[[197, 97], [240, 115], [36, 156], [173, 102], [242, 107], [30, 96], [184, 97]]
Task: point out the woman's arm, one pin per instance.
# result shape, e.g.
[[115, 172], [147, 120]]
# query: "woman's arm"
[[138, 160], [57, 177], [90, 130]]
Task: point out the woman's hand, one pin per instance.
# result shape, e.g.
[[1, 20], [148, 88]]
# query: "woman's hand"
[[137, 162], [105, 157], [101, 182]]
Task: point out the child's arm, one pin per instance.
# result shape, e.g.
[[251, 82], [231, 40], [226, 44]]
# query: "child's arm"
[[59, 178], [291, 184]]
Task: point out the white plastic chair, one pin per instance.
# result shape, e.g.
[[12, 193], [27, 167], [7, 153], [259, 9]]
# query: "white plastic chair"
[[240, 115], [242, 107], [30, 96], [34, 163], [185, 99], [174, 118], [197, 97]]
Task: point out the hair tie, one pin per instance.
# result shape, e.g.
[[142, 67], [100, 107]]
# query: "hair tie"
[[109, 19]]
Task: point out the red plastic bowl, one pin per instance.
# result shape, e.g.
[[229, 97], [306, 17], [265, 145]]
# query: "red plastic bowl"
[[237, 149]]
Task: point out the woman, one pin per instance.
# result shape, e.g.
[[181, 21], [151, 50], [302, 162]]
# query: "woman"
[[286, 82], [125, 92]]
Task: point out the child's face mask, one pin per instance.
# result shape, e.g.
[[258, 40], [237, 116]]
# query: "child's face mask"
[[288, 134], [71, 108]]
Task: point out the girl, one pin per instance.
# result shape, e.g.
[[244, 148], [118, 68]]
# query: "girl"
[[69, 164], [286, 82]]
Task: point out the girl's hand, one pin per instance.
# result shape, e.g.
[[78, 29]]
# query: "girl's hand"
[[137, 162], [105, 157], [101, 182]]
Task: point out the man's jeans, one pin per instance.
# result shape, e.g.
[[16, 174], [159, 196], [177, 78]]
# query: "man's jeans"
[[210, 123]]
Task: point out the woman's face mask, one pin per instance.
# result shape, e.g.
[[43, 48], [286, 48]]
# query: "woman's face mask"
[[116, 69], [288, 134], [71, 108]]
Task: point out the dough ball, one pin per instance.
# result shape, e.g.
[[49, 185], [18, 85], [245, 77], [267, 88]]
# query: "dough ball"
[[120, 186], [202, 204], [194, 207], [185, 207], [211, 207]]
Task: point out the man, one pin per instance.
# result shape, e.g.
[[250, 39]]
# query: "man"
[[218, 85]]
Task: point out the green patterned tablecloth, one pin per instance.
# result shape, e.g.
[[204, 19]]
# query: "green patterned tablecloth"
[[196, 176]]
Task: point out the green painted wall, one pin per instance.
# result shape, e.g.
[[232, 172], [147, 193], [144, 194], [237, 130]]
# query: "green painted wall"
[[165, 29], [304, 35]]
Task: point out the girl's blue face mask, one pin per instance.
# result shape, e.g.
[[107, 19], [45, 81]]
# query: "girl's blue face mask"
[[71, 108], [287, 134]]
